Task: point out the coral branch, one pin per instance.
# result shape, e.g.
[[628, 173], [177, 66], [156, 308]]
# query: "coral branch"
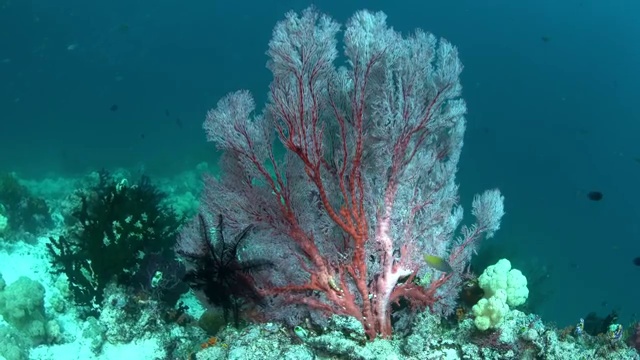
[[367, 183]]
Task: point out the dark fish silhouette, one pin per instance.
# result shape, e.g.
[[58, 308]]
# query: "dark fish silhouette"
[[114, 107], [179, 123], [545, 39], [636, 261], [595, 195], [166, 113]]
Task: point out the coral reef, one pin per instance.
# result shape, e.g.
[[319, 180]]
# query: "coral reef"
[[123, 232]]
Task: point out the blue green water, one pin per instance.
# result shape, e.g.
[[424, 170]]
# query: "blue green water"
[[550, 89]]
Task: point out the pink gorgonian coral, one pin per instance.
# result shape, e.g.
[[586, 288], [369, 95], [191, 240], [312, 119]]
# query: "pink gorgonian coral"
[[362, 184]]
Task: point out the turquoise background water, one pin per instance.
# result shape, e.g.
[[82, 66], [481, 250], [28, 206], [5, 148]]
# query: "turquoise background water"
[[551, 88]]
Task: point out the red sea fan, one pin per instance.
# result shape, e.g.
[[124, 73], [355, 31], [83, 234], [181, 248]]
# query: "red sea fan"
[[366, 185]]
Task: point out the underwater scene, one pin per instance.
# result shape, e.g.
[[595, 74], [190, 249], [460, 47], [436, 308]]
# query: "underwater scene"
[[316, 180]]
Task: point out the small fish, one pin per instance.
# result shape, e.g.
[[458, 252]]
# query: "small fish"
[[545, 38], [300, 332], [166, 113], [72, 47], [615, 332], [114, 107], [636, 261], [595, 195], [438, 263], [179, 123], [579, 330]]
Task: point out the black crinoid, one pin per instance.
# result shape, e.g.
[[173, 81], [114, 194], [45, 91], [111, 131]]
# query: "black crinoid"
[[217, 272]]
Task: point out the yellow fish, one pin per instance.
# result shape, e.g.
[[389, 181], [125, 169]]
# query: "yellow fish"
[[438, 263]]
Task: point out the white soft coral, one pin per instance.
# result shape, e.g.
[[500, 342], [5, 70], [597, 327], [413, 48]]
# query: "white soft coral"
[[502, 276], [503, 287], [490, 312]]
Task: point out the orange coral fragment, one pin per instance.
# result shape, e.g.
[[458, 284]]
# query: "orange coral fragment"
[[212, 341]]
